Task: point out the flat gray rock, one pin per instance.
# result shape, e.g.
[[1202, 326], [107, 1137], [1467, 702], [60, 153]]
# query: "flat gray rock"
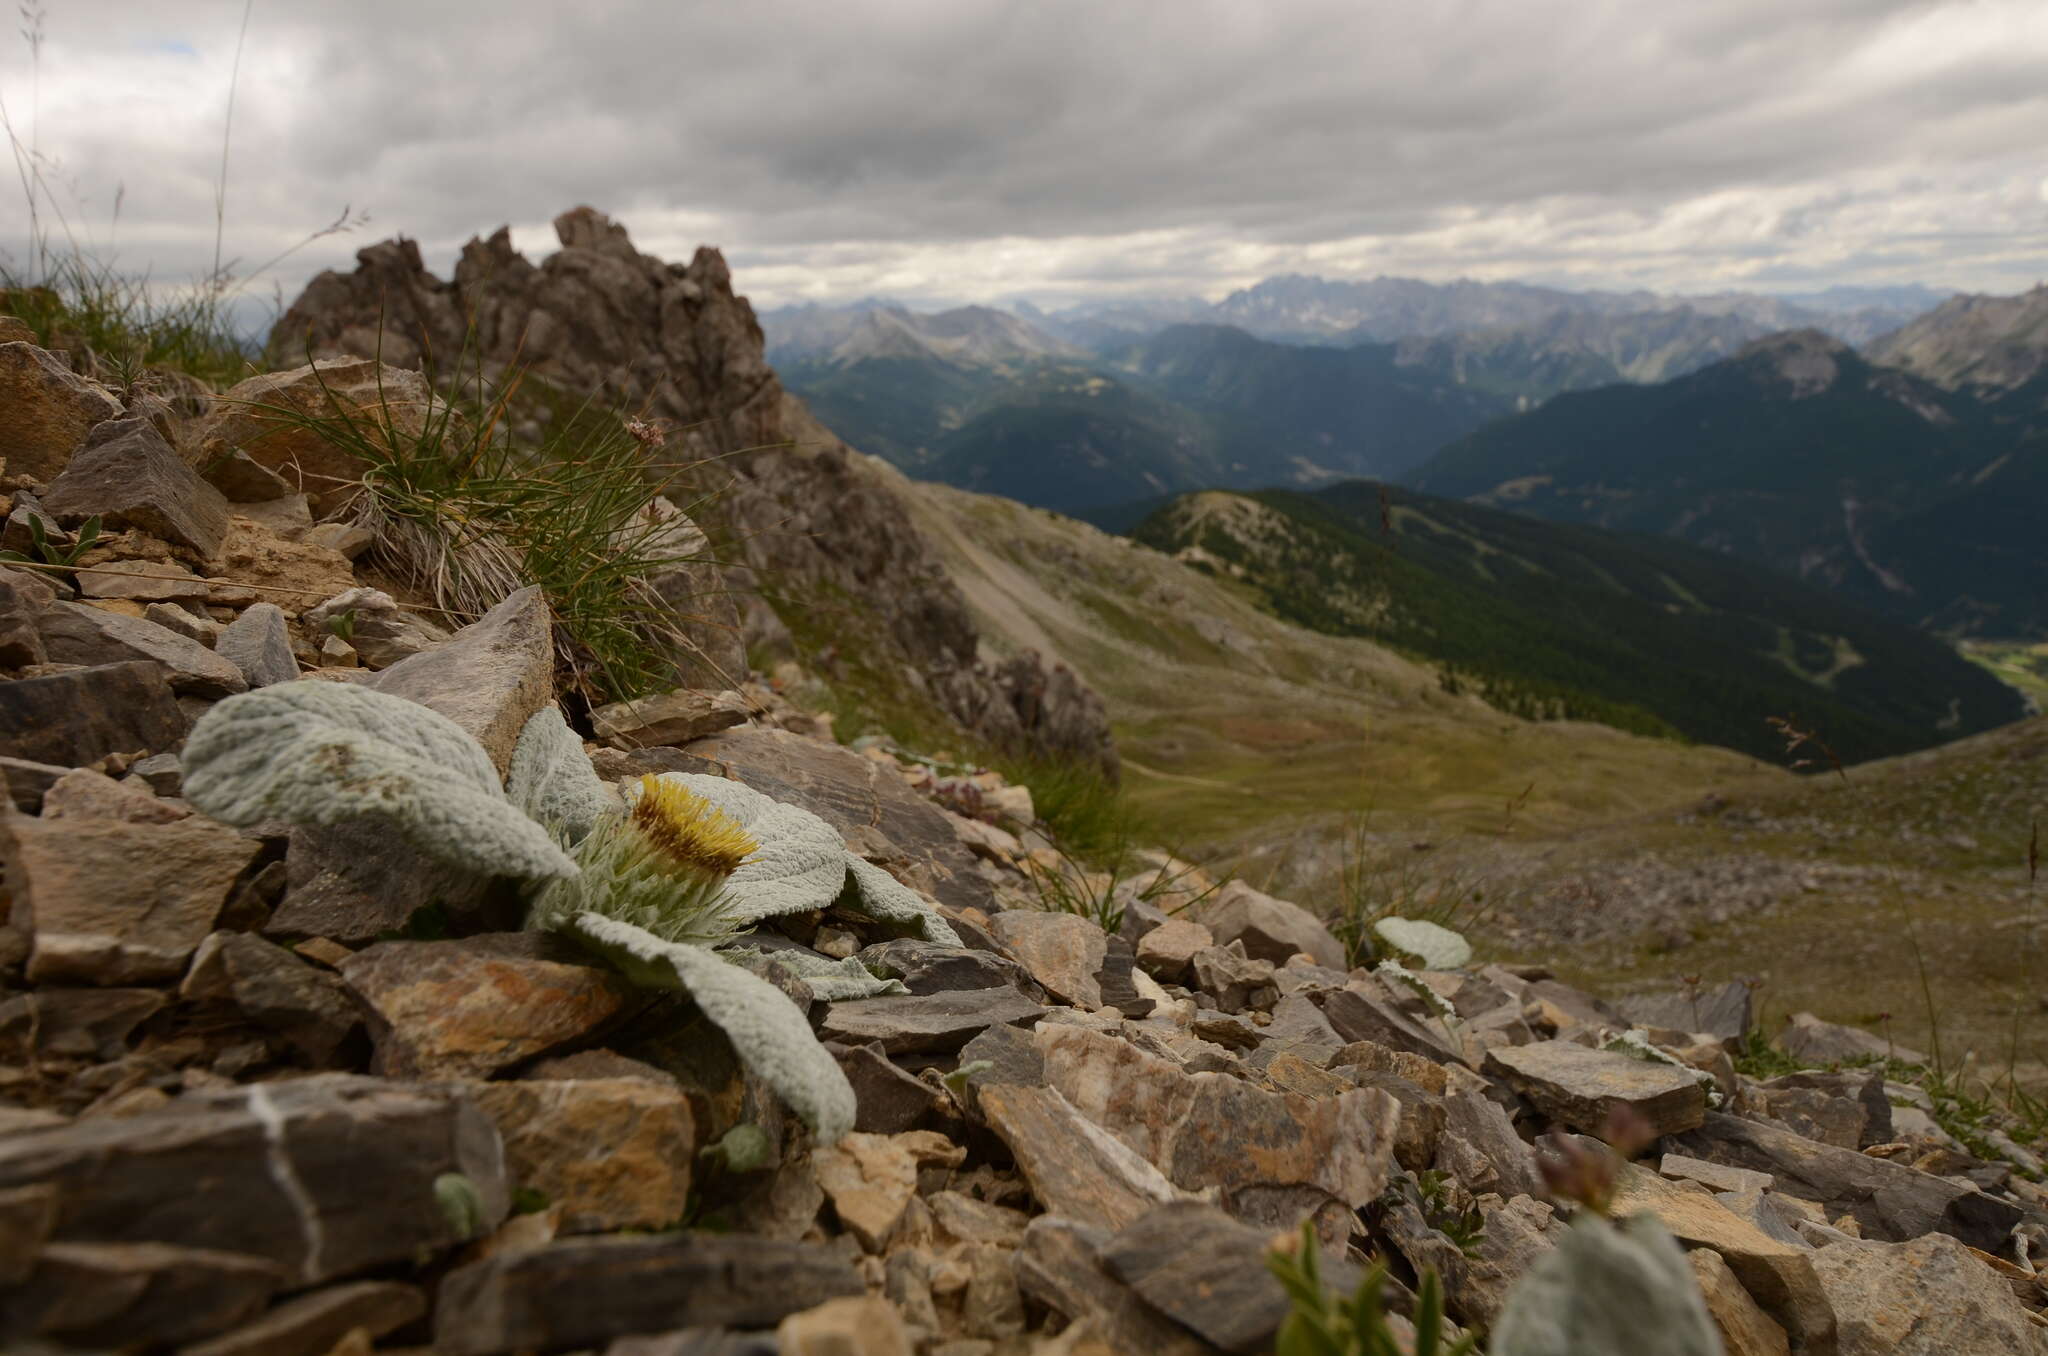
[[585, 1291], [1927, 1297], [323, 1176], [1889, 1200], [1578, 1086], [71, 719], [101, 1295], [923, 1023], [75, 633], [1207, 1272]]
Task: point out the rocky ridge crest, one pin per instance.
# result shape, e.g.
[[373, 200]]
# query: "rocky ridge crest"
[[808, 523]]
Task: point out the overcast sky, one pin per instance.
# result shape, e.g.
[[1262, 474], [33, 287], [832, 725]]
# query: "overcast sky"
[[939, 150]]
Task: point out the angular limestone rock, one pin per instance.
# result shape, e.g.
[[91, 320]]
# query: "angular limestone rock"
[[1271, 929], [1888, 1200], [871, 1179], [101, 1295], [491, 677], [473, 1007], [1928, 1297], [1578, 1086], [1165, 952], [1365, 1009], [74, 633], [1780, 1277], [107, 902], [126, 475], [1207, 1272], [324, 1176], [1078, 1169], [1210, 1129], [1063, 951], [312, 1324], [918, 1023], [609, 1153], [668, 718], [144, 581], [365, 393], [1745, 1329], [46, 410], [584, 1292], [1808, 1037], [310, 1008], [1059, 1266], [71, 719], [259, 644]]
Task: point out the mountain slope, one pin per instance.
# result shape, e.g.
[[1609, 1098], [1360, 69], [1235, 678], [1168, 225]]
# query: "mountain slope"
[[1548, 620], [1799, 454], [1994, 344]]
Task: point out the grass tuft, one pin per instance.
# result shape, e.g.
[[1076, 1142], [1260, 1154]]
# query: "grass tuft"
[[467, 514]]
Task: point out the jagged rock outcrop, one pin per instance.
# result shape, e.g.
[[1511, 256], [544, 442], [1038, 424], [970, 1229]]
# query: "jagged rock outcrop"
[[808, 522]]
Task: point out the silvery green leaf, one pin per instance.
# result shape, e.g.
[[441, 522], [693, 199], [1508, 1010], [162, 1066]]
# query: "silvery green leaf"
[[770, 1033], [884, 897], [802, 860], [329, 753], [1439, 948], [829, 980], [1608, 1291], [551, 778]]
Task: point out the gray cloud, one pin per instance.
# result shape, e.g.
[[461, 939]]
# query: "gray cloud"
[[983, 148]]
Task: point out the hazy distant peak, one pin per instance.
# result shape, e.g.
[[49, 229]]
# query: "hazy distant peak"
[[1973, 340], [1807, 360]]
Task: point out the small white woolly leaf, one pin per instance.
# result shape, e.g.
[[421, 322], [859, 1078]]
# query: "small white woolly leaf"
[[1439, 948], [1608, 1291], [802, 861], [1400, 974], [770, 1033], [327, 753], [884, 897], [829, 980], [551, 778]]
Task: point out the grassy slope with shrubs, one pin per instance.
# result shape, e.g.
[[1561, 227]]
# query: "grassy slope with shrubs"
[[1557, 621]]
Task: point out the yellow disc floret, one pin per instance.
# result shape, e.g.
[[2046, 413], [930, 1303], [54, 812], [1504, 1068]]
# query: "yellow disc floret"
[[688, 832]]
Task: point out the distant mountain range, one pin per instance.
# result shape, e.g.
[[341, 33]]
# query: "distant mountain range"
[[1910, 478], [1552, 621], [1919, 491]]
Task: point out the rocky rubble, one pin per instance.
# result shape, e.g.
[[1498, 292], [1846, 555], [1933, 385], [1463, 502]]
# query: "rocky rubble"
[[291, 1089]]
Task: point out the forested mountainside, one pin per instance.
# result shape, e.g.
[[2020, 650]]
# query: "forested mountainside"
[[1911, 498], [1552, 621]]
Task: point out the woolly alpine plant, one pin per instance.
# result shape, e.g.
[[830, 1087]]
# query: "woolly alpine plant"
[[660, 881]]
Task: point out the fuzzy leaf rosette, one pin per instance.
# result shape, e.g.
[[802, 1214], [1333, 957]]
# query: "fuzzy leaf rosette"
[[661, 877]]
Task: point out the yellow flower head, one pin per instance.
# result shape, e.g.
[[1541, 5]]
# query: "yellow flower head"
[[688, 832]]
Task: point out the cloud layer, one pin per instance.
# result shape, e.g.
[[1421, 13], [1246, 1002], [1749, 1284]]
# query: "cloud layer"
[[986, 149]]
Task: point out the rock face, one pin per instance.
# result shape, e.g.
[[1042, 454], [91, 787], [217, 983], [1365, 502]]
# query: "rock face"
[[609, 1153], [810, 516]]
